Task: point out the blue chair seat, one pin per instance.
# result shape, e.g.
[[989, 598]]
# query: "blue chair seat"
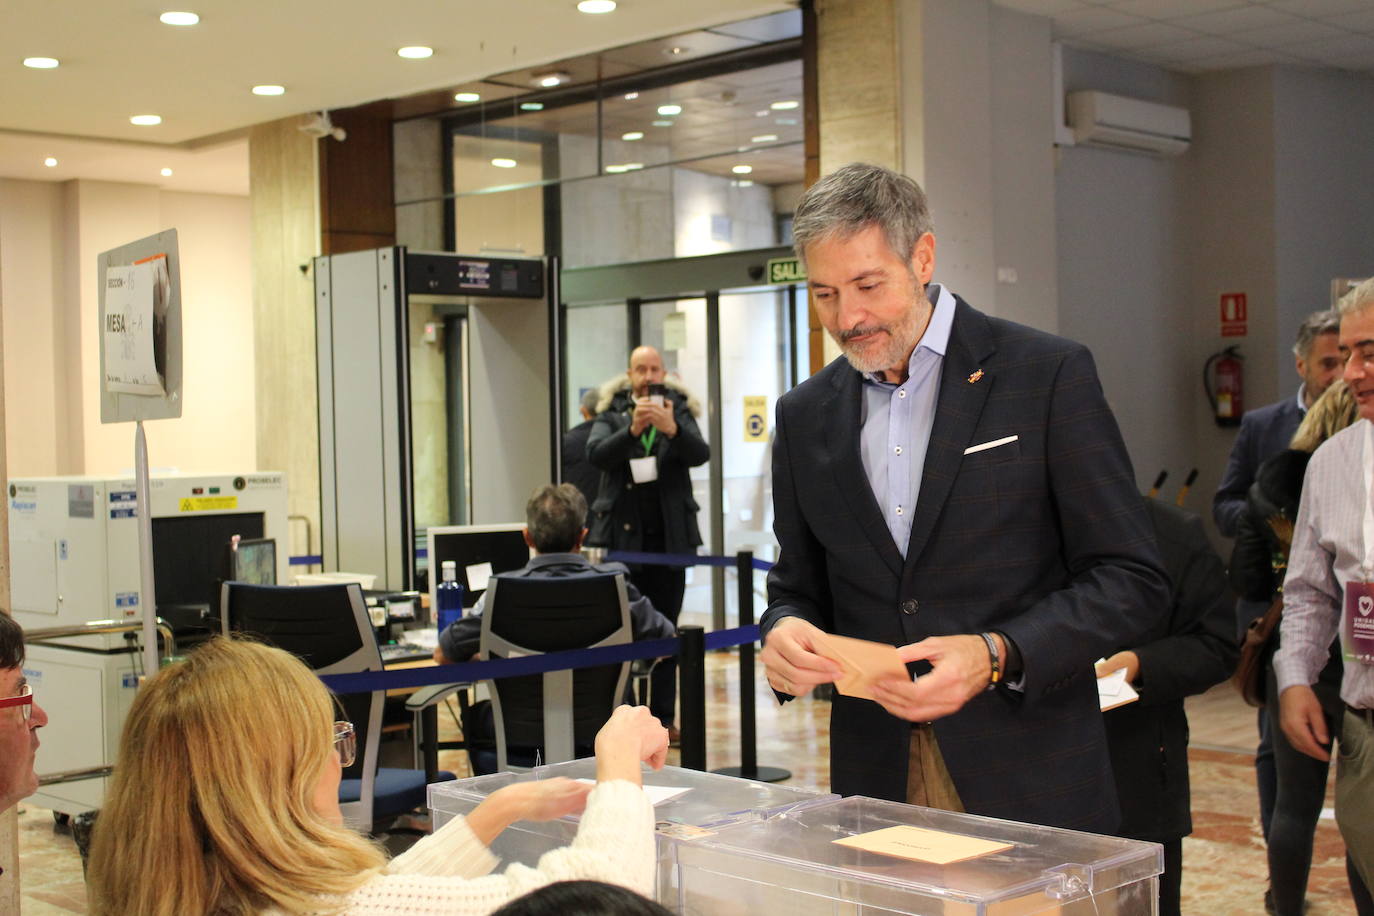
[[394, 792]]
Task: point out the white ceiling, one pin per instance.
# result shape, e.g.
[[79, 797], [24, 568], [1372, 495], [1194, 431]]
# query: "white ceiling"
[[118, 60], [1194, 36]]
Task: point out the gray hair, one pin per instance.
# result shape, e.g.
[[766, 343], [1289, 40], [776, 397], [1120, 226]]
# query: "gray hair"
[[1358, 299], [1312, 327], [856, 196], [590, 399], [555, 516]]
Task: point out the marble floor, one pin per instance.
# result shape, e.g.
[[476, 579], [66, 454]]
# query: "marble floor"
[[1224, 864]]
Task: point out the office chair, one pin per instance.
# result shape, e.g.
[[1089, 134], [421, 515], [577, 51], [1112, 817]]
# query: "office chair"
[[328, 628], [560, 712]]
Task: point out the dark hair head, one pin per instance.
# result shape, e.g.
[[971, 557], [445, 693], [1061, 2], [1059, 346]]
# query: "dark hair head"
[[582, 898], [11, 642], [555, 516]]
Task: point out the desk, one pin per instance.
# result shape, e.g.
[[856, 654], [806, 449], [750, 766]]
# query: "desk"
[[428, 718]]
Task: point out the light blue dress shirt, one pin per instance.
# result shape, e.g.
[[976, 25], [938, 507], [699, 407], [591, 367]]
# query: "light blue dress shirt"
[[895, 422]]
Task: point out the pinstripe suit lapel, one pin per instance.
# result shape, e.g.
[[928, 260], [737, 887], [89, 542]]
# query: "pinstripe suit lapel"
[[842, 443], [956, 417]]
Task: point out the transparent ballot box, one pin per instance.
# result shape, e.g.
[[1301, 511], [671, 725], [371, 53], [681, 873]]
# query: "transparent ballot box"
[[709, 803], [791, 864]]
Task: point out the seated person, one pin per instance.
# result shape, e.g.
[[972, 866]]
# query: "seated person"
[[225, 799], [555, 525]]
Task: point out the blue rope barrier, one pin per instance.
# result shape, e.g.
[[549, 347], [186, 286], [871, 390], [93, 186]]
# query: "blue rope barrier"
[[368, 681], [622, 556]]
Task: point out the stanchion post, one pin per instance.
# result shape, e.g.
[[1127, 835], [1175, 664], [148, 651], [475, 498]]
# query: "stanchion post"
[[748, 735], [691, 672]]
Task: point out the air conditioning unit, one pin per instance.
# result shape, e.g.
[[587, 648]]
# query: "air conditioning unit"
[[1134, 125]]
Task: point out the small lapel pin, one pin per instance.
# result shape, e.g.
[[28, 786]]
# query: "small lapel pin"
[[975, 376]]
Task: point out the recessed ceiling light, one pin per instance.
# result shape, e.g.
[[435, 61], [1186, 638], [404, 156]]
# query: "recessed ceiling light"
[[631, 96], [742, 169], [785, 105], [531, 106], [632, 135], [744, 183], [786, 122], [269, 90], [504, 163], [467, 97], [41, 63], [625, 167], [166, 173], [663, 124], [146, 120], [50, 162], [174, 17], [761, 114], [415, 52], [676, 51], [764, 138], [550, 78], [670, 110], [596, 6]]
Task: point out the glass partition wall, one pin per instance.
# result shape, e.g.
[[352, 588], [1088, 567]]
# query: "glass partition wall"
[[677, 148]]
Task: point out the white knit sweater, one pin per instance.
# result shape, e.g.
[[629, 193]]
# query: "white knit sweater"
[[448, 872]]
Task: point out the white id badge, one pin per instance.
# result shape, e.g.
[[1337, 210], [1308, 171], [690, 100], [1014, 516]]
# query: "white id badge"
[[644, 470]]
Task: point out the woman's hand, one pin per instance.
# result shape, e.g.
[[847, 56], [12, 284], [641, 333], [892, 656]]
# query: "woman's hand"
[[536, 800], [631, 736]]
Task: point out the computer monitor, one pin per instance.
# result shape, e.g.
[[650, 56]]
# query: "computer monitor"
[[253, 560], [473, 548], [188, 555]]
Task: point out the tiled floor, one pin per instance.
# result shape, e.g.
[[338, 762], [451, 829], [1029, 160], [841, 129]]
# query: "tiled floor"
[[1224, 867]]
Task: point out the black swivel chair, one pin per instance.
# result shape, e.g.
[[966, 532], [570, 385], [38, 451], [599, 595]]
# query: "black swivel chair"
[[328, 628], [556, 714]]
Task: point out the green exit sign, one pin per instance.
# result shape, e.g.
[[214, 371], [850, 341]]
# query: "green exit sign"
[[786, 270]]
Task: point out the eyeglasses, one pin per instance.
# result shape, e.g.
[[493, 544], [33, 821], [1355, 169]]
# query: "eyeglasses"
[[345, 743], [24, 701]]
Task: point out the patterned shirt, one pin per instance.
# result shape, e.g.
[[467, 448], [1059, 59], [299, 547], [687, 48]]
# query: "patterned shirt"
[[1329, 550]]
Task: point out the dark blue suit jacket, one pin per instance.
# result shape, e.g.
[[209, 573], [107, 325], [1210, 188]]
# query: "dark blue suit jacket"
[[1044, 538], [1263, 434]]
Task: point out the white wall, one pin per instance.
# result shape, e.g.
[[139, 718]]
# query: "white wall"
[[50, 235]]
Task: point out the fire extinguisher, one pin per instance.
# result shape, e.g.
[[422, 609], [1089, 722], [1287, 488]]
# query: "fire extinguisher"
[[1223, 378]]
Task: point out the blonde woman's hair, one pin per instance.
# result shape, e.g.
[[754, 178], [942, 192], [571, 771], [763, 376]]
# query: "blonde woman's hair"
[[1332, 412], [209, 809]]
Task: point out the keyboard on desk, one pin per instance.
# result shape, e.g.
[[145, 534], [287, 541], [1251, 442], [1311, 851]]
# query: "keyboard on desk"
[[405, 652]]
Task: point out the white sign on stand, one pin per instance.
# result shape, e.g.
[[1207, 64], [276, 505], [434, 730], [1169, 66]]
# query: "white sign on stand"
[[140, 372]]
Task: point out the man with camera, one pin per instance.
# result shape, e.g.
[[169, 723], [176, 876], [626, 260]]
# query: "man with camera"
[[644, 441]]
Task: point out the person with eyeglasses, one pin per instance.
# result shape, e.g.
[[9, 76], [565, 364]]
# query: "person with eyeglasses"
[[20, 719], [224, 799]]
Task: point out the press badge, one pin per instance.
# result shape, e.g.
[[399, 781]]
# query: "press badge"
[[644, 470], [1359, 621]]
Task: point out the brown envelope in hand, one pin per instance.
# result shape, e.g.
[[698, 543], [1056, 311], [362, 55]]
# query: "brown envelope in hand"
[[864, 663]]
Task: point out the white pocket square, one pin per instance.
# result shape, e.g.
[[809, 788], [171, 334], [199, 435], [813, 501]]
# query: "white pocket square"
[[993, 444]]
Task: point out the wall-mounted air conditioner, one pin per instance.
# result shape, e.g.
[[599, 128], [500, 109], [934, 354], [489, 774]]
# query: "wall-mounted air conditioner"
[[1134, 125]]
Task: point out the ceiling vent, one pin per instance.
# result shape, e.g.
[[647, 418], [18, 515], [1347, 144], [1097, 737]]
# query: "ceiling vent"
[[1133, 125]]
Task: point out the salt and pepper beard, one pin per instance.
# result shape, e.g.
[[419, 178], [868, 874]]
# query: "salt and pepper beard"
[[902, 338]]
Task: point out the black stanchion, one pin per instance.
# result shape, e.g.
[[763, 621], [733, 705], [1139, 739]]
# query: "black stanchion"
[[748, 737], [691, 673]]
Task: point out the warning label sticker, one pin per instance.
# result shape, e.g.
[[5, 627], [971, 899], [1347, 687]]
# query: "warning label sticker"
[[209, 503]]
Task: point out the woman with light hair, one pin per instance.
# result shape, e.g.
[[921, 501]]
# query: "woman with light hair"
[[224, 800]]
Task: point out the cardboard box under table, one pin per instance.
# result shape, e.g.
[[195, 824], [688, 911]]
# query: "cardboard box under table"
[[709, 803], [792, 864]]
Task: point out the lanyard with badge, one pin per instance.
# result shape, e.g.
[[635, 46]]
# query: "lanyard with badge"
[[1359, 596], [645, 469]]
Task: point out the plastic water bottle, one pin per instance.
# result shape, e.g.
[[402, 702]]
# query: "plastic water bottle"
[[449, 597]]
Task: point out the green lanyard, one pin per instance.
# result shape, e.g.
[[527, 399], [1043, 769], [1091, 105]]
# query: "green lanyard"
[[647, 439]]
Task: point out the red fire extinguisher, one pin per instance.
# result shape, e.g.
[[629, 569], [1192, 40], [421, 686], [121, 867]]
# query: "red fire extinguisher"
[[1223, 378]]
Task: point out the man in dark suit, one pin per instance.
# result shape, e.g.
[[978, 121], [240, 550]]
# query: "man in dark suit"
[[958, 488], [1267, 431], [1189, 651], [1263, 434]]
